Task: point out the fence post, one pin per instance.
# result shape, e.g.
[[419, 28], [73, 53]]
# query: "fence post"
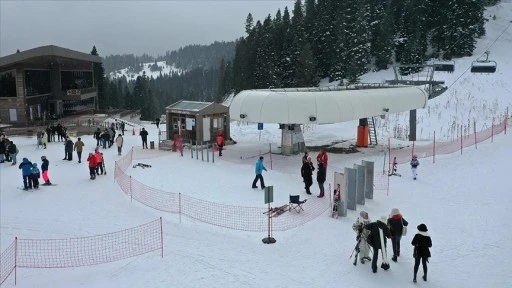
[[179, 205], [202, 151], [412, 152], [270, 152], [492, 130], [162, 237], [15, 258], [434, 149], [131, 194], [389, 155], [213, 155], [474, 132], [191, 150], [197, 151], [208, 153], [461, 139]]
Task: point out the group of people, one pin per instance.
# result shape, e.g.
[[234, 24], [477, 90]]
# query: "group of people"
[[374, 235], [31, 173], [8, 150], [308, 168]]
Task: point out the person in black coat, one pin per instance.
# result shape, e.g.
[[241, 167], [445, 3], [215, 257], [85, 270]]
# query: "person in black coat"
[[68, 149], [421, 243], [307, 174], [396, 223], [374, 239], [320, 178], [144, 136]]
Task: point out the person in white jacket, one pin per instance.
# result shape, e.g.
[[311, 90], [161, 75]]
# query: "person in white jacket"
[[119, 144], [358, 227], [414, 166]]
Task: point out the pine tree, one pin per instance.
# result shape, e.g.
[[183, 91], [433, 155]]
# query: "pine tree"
[[99, 81], [306, 71]]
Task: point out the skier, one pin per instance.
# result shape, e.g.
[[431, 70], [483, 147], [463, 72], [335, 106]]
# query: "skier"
[[44, 139], [362, 236], [144, 136], [13, 151], [421, 243], [220, 141], [119, 144], [44, 168], [35, 175], [414, 166], [68, 149], [92, 165], [259, 170], [397, 224], [307, 174], [320, 178], [99, 162], [379, 231], [97, 136], [26, 172], [79, 147]]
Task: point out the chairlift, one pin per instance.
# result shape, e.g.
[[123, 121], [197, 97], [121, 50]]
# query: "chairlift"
[[444, 66], [484, 66]]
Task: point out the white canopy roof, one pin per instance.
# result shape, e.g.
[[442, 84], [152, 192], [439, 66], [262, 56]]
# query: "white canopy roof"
[[302, 106]]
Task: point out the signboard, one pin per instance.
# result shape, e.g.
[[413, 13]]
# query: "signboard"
[[73, 92], [206, 129], [260, 126], [269, 194]]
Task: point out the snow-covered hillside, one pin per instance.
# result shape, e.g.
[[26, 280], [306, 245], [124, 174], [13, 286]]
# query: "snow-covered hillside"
[[164, 69]]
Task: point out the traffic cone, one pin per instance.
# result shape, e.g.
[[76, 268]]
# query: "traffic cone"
[[133, 133]]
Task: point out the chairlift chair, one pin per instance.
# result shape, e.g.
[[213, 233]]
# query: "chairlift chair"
[[484, 66], [444, 66]]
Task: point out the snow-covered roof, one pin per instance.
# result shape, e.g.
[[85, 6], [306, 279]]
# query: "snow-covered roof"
[[302, 106]]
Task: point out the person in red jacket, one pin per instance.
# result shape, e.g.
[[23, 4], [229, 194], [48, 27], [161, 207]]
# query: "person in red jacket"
[[322, 157], [220, 141], [99, 162], [92, 165]]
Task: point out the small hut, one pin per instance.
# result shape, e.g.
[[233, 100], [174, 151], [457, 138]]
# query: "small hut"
[[197, 121]]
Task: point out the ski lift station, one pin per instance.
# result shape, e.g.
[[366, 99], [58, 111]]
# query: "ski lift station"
[[292, 107]]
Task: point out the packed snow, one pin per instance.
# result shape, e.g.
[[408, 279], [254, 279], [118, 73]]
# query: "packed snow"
[[463, 200]]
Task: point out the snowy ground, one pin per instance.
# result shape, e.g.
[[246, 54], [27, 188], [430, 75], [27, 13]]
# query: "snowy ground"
[[463, 199]]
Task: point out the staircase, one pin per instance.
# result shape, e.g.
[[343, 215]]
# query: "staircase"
[[372, 133]]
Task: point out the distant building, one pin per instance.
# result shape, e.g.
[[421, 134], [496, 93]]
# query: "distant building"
[[46, 82]]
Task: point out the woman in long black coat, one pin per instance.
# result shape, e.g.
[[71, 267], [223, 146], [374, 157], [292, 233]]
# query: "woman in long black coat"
[[421, 243], [307, 174]]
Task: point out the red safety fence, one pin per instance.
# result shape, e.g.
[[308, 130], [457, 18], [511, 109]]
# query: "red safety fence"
[[82, 251], [217, 214], [7, 262], [463, 140]]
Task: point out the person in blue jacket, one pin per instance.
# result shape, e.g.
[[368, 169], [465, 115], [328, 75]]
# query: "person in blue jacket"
[[259, 170], [26, 171]]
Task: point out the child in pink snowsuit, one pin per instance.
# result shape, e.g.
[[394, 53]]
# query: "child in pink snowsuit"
[[44, 169]]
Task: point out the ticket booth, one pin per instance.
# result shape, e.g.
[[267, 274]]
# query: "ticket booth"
[[197, 121]]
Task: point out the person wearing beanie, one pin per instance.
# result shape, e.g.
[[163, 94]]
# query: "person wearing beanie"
[[259, 173], [79, 147], [35, 175], [379, 231], [44, 169], [397, 224], [421, 243], [321, 176], [362, 236]]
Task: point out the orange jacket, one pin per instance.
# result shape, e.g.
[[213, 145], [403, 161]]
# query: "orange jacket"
[[92, 161], [220, 140]]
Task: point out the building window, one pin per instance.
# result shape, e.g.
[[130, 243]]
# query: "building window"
[[13, 116], [76, 80], [8, 84], [37, 82]]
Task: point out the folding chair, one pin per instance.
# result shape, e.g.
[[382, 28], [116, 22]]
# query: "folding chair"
[[295, 203]]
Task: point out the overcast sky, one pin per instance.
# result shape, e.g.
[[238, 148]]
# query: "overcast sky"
[[119, 27]]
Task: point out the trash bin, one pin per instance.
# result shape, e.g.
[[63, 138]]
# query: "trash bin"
[[151, 144]]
